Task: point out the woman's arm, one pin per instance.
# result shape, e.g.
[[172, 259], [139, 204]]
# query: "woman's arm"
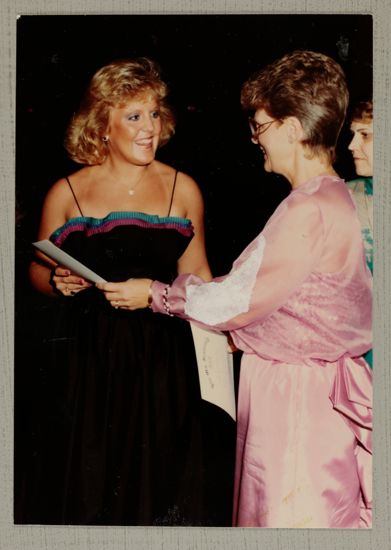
[[45, 275], [261, 280], [194, 258]]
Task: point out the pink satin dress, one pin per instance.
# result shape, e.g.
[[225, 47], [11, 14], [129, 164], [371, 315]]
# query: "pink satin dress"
[[298, 302]]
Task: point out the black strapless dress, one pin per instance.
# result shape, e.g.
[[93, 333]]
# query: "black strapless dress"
[[132, 440]]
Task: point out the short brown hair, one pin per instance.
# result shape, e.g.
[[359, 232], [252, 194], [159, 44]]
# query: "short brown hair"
[[363, 110], [113, 86], [307, 85]]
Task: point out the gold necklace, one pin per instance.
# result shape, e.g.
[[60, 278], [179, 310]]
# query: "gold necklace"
[[132, 190]]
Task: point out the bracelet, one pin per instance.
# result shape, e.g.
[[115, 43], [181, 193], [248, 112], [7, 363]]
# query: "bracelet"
[[165, 301]]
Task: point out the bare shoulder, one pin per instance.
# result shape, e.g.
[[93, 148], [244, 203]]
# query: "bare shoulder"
[[187, 187], [61, 187], [59, 202], [168, 173], [58, 191], [187, 197]]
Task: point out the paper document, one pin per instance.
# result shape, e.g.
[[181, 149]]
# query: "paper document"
[[55, 253], [215, 369]]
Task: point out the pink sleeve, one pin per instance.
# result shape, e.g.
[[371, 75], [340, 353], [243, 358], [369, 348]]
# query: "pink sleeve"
[[261, 280]]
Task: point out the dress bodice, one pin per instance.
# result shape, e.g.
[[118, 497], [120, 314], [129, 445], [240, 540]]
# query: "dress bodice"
[[126, 244]]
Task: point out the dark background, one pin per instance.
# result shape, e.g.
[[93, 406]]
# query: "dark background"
[[204, 59]]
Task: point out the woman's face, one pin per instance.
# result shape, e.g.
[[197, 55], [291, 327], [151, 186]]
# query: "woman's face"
[[271, 137], [134, 131], [361, 146]]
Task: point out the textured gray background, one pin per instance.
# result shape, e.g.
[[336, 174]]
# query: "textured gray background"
[[105, 538]]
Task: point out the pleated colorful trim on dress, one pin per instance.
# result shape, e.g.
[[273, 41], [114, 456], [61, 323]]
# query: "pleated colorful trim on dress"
[[91, 226]]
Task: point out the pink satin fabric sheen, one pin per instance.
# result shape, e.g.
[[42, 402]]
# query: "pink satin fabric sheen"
[[305, 396]]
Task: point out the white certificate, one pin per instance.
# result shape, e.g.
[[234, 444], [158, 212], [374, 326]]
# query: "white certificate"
[[215, 369], [51, 250]]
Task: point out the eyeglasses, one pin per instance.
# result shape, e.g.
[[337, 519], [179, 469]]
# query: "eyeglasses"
[[258, 129]]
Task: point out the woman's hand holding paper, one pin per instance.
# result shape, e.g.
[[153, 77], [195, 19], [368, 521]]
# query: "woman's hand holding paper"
[[67, 283], [130, 294]]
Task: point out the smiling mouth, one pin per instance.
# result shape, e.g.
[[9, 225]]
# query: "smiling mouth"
[[145, 142]]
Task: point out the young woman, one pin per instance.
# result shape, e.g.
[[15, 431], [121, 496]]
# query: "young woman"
[[131, 447], [298, 303]]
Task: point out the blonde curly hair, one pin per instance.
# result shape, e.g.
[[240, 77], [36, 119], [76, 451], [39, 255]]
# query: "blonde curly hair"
[[113, 86]]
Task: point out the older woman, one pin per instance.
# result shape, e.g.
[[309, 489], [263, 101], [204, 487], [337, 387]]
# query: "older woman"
[[132, 445], [298, 303]]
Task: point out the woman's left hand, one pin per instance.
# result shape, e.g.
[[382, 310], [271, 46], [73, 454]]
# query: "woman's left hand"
[[130, 294]]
